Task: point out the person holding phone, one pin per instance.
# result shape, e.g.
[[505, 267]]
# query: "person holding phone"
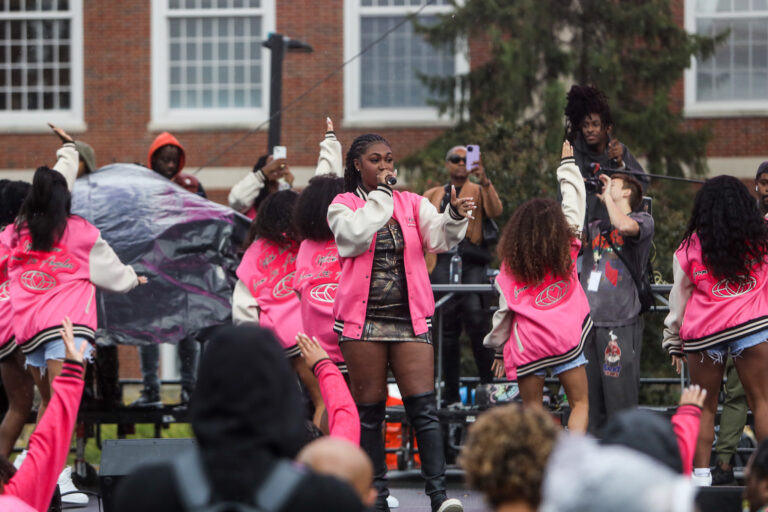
[[270, 174], [384, 304], [468, 311]]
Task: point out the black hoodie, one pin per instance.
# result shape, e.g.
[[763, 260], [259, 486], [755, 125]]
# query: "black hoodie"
[[246, 414]]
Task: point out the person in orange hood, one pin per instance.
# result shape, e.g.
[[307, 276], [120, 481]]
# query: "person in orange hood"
[[166, 157]]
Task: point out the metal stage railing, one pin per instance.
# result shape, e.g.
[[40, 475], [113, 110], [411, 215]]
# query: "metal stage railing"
[[660, 291]]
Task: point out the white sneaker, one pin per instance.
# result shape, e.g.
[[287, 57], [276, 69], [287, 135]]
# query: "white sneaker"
[[393, 502], [67, 486], [451, 505], [702, 481], [19, 459]]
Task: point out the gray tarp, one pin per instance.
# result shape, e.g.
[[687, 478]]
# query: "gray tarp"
[[186, 245]]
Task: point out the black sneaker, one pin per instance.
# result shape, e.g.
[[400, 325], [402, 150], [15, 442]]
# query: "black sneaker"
[[722, 477], [149, 399]]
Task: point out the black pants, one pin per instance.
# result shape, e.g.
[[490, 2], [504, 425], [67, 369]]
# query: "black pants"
[[471, 310]]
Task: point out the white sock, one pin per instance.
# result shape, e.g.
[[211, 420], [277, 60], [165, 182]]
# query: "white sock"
[[701, 472]]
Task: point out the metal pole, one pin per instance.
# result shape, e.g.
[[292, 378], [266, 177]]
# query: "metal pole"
[[439, 373], [276, 43]]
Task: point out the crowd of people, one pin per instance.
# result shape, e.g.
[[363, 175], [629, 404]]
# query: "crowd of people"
[[334, 292]]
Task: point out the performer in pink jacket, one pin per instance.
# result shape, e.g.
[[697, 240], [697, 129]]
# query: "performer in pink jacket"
[[57, 261], [31, 487], [543, 316], [719, 304], [384, 303]]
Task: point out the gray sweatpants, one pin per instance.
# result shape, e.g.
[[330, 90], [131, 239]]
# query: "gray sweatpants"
[[613, 371]]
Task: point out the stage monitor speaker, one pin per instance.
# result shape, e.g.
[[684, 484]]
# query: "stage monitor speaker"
[[119, 457], [725, 498]]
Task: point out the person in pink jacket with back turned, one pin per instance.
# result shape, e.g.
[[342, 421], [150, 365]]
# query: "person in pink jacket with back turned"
[[543, 316], [718, 304]]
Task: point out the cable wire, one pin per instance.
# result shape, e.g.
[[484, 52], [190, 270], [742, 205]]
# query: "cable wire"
[[317, 84]]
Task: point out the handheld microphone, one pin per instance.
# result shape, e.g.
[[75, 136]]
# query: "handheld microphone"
[[391, 181]]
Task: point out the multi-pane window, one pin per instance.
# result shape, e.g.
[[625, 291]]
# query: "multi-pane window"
[[737, 73], [385, 82], [209, 59], [40, 59]]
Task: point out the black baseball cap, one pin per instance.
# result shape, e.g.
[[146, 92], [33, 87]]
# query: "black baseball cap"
[[761, 169]]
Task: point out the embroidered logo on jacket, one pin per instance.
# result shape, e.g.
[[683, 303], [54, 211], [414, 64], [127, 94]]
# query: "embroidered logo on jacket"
[[4, 290], [728, 288], [324, 281], [40, 269], [552, 294], [275, 270]]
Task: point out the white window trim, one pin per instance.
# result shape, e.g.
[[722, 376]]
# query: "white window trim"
[[697, 109], [354, 114], [165, 118], [72, 120]]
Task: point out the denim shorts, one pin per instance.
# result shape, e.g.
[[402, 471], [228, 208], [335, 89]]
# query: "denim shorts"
[[54, 349], [719, 353], [564, 367]]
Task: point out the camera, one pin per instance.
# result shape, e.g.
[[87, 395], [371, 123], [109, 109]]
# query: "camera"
[[593, 185]]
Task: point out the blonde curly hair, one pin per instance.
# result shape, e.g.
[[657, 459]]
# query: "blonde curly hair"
[[506, 454]]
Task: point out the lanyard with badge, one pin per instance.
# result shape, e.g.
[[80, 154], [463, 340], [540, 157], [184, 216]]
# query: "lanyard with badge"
[[597, 253]]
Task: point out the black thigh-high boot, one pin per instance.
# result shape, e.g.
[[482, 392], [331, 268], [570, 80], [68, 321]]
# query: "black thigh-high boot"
[[422, 415], [372, 442]]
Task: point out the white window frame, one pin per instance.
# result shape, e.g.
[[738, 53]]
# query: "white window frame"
[[721, 108], [357, 116], [72, 119], [166, 118]]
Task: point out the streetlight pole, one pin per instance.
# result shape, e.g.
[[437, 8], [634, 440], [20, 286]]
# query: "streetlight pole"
[[278, 44]]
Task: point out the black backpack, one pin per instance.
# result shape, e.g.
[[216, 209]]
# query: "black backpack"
[[195, 489]]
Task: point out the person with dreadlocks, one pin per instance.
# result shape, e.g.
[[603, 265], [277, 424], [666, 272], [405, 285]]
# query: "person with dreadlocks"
[[718, 302], [589, 126], [384, 304], [543, 316]]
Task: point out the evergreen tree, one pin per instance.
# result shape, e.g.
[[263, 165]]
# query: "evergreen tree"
[[512, 103]]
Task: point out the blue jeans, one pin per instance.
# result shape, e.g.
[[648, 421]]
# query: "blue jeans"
[[54, 349]]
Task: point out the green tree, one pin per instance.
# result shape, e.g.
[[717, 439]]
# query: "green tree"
[[512, 103]]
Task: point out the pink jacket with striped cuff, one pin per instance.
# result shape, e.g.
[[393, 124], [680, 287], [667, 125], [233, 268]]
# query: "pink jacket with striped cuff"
[[31, 488]]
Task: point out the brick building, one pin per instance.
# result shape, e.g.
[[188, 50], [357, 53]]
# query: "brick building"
[[116, 73]]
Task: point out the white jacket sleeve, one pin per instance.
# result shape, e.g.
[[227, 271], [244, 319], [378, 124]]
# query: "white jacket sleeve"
[[440, 231], [574, 195], [502, 324], [681, 292], [354, 230], [67, 160], [330, 160], [108, 272], [245, 309], [244, 192]]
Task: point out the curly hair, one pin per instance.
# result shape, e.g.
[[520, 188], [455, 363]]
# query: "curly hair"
[[583, 100], [506, 454], [536, 242], [45, 209], [264, 192], [731, 230], [275, 219], [311, 210], [356, 150]]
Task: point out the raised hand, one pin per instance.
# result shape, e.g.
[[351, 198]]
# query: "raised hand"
[[310, 349], [464, 205], [567, 150], [328, 124], [64, 136], [693, 395]]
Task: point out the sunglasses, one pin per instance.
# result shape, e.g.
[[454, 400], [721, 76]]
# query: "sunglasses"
[[454, 159]]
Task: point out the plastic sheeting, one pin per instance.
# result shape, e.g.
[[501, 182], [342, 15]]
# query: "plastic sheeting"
[[187, 246]]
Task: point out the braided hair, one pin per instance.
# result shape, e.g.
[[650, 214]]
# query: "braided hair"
[[582, 101], [356, 150], [730, 228]]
